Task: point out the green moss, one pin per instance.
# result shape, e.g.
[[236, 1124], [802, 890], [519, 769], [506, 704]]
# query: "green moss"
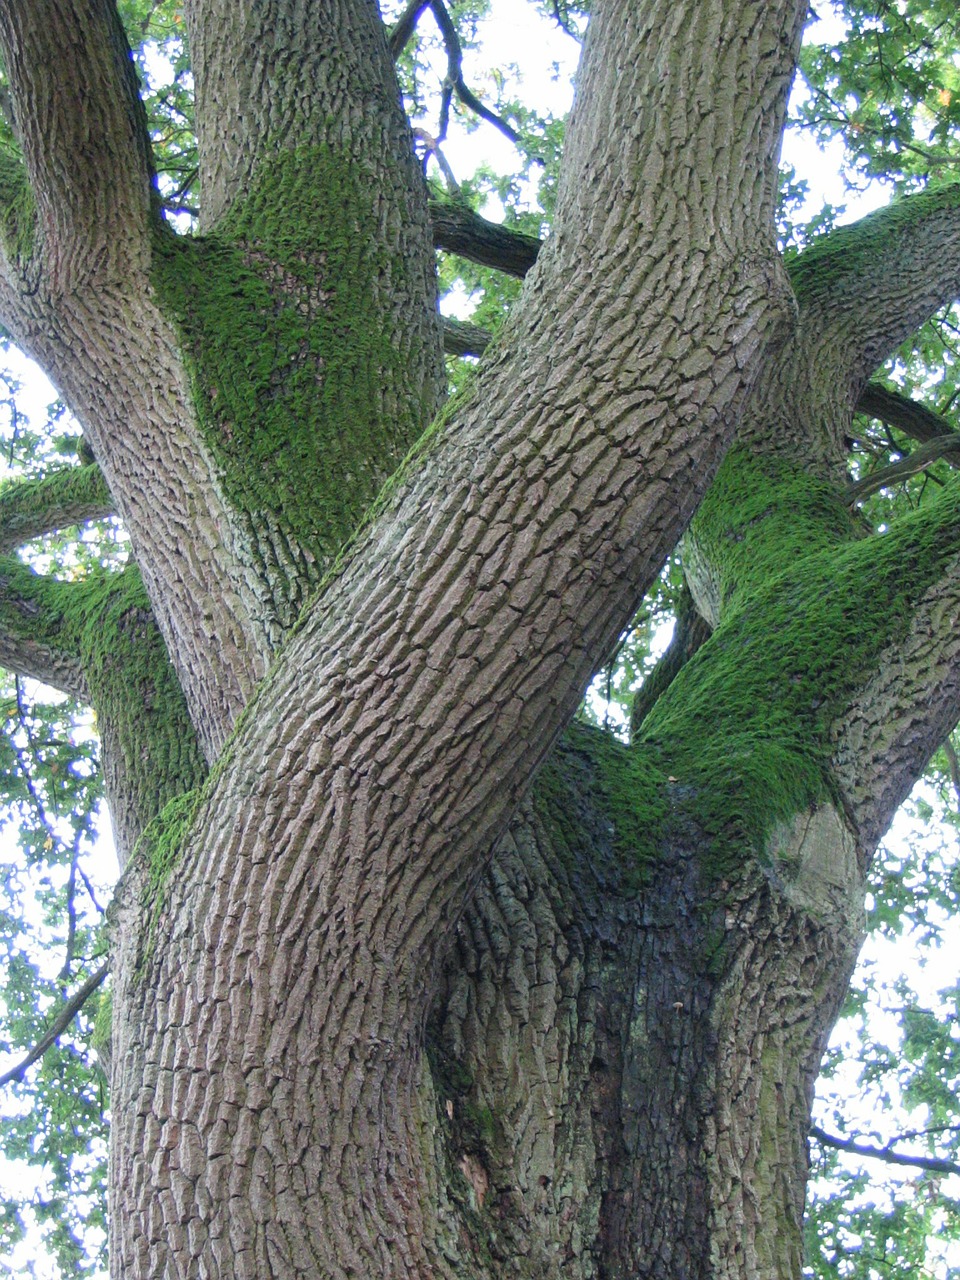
[[760, 516], [161, 846], [745, 727], [846, 251], [103, 1025], [300, 371], [18, 210], [136, 694], [630, 790]]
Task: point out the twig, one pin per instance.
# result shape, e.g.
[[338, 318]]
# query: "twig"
[[931, 1163], [954, 763], [58, 1026], [432, 146]]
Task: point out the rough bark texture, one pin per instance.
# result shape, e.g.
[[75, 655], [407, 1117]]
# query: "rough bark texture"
[[404, 987]]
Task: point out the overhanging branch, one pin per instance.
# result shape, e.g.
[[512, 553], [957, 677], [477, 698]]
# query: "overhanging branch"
[[406, 25], [459, 230], [463, 339], [897, 410]]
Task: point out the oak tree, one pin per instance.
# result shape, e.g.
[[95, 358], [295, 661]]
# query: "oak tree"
[[412, 975]]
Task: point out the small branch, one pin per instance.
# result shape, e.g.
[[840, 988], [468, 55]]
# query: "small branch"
[[432, 146], [954, 764], [459, 230], [897, 410], [462, 339], [931, 1163], [406, 25], [909, 466], [451, 41], [58, 1026]]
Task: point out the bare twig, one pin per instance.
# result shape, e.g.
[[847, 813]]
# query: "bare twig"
[[908, 466], [58, 1026], [931, 1163]]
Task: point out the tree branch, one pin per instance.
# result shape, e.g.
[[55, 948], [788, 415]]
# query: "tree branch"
[[932, 1163], [58, 1026], [897, 410], [865, 288], [918, 460], [83, 131], [32, 508], [459, 230], [38, 635], [455, 72], [463, 339], [405, 27]]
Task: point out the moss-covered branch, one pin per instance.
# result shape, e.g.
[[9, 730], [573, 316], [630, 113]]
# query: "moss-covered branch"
[[97, 640], [38, 633], [32, 508], [867, 287]]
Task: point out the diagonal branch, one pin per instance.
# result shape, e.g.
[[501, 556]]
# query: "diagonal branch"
[[406, 25], [58, 1026], [865, 288], [83, 132], [947, 448], [932, 1163], [459, 230], [32, 508], [455, 79], [898, 410]]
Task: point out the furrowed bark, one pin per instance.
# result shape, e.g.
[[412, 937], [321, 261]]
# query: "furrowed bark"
[[582, 432], [231, 539], [89, 170]]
